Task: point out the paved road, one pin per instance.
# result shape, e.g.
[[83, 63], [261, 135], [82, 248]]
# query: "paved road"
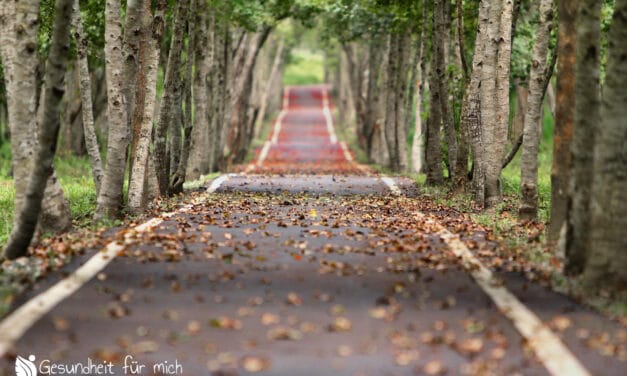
[[295, 274]]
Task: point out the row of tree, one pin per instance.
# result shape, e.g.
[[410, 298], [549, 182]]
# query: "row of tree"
[[213, 92], [199, 116], [473, 55]]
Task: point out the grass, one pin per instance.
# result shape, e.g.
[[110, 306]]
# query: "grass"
[[74, 175], [304, 67]]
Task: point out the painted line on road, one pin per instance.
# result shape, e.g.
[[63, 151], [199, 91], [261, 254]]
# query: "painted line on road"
[[328, 117], [391, 184], [548, 347], [17, 323], [347, 154], [277, 127], [215, 185]]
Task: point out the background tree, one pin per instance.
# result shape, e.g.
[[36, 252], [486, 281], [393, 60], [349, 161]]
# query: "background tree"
[[48, 133]]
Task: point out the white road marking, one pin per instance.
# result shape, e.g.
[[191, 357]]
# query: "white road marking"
[[215, 185], [551, 351], [391, 184], [277, 126], [17, 323], [264, 153], [347, 154], [328, 117]]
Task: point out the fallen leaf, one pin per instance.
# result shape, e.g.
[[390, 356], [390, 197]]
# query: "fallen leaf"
[[293, 299], [341, 324], [434, 367], [255, 364]]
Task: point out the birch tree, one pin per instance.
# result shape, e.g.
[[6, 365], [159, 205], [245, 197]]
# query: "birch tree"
[[495, 97], [93, 149], [172, 91], [145, 107], [531, 140], [19, 28], [109, 200], [49, 121]]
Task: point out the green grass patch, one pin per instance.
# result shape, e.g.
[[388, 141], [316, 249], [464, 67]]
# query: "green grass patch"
[[74, 175], [304, 67]]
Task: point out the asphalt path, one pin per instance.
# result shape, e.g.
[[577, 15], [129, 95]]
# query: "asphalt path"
[[305, 264]]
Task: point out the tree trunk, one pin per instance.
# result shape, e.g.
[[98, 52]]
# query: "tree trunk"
[[21, 86], [238, 135], [72, 138], [440, 66], [221, 94], [278, 60], [171, 94], [471, 116], [134, 35], [564, 115], [200, 150], [178, 178], [93, 150], [26, 223], [394, 126], [110, 197], [531, 140], [587, 116], [146, 97], [433, 160], [606, 262], [495, 96], [417, 146]]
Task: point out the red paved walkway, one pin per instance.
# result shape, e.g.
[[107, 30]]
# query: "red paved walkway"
[[303, 138]]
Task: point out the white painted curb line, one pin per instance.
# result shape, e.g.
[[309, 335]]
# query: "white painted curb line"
[[13, 327], [548, 347]]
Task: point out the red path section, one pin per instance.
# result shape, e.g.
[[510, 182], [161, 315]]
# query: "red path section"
[[303, 139]]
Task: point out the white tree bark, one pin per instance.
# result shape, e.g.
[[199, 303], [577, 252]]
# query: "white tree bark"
[[93, 150], [531, 139], [149, 61], [110, 197]]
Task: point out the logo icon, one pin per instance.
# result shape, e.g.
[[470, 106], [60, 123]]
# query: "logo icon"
[[25, 367]]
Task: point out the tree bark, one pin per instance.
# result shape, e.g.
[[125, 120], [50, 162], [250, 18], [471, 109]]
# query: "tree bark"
[[587, 116], [200, 155], [180, 163], [440, 32], [145, 106], [495, 96], [171, 93], [433, 160], [278, 60], [19, 44], [471, 106], [564, 115], [394, 125], [93, 150], [606, 262], [110, 198], [531, 140], [417, 148], [238, 133], [221, 94], [26, 224]]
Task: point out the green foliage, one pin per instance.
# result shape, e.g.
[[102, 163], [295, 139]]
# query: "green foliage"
[[304, 67]]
